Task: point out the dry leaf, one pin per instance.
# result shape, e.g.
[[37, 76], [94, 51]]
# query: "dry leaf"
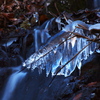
[[78, 96]]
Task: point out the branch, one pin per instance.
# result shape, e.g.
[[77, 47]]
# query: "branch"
[[85, 37]]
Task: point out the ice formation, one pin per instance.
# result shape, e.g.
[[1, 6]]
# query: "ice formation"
[[59, 49]]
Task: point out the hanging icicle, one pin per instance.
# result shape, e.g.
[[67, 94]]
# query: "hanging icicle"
[[62, 52]]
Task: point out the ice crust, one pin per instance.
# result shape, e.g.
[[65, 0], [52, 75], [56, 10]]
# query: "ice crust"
[[60, 48]]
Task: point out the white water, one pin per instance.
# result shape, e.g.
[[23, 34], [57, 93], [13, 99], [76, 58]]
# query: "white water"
[[13, 80]]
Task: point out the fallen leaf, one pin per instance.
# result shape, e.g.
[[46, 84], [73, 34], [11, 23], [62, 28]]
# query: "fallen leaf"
[[1, 29], [91, 84], [7, 15], [78, 96], [43, 18], [26, 24]]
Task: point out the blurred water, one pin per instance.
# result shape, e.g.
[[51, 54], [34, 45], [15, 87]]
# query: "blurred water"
[[92, 4], [13, 81]]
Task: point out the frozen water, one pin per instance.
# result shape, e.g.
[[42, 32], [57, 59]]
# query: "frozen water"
[[9, 42], [56, 62], [59, 49]]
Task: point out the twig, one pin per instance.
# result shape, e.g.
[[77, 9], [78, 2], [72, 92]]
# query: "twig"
[[83, 27], [51, 13], [88, 39], [80, 36], [57, 8], [65, 17]]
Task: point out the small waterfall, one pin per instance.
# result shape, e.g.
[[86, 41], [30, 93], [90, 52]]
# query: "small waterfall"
[[13, 80], [92, 4], [96, 3]]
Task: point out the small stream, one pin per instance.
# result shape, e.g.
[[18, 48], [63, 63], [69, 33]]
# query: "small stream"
[[14, 79]]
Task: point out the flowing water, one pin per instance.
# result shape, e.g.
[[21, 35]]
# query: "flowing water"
[[13, 81]]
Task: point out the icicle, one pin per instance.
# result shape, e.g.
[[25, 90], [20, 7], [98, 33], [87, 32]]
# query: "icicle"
[[64, 45], [49, 64], [79, 64], [93, 46], [55, 50], [44, 36], [41, 64], [80, 45], [90, 52], [68, 69], [88, 49], [36, 40], [73, 40], [33, 66], [56, 62], [69, 46], [40, 69], [74, 49], [74, 62], [84, 53], [64, 54]]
